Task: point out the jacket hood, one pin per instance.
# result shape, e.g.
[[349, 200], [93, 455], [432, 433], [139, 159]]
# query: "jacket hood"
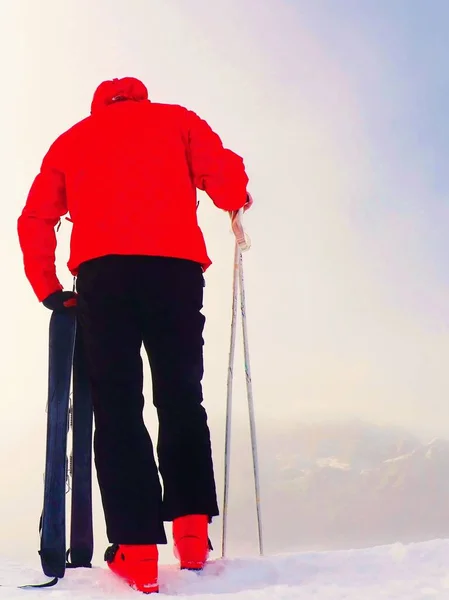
[[127, 88]]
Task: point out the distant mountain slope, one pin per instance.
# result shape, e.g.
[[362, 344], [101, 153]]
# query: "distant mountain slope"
[[340, 485]]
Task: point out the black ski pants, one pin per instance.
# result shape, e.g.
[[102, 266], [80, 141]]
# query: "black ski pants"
[[124, 302]]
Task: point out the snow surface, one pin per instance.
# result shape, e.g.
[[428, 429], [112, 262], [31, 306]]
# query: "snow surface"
[[397, 572]]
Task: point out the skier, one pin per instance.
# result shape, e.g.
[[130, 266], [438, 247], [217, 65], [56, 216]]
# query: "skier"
[[127, 177]]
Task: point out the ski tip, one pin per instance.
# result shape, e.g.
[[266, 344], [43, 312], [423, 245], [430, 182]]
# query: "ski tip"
[[44, 584]]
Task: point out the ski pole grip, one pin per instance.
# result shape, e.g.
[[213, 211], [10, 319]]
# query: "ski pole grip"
[[241, 237]]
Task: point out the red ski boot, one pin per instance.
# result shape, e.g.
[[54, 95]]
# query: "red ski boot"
[[136, 564], [191, 542]]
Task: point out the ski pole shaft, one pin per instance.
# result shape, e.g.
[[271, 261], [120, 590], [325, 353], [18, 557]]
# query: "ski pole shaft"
[[229, 399], [249, 389]]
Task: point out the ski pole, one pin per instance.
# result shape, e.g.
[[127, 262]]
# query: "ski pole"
[[235, 283], [249, 392], [242, 244]]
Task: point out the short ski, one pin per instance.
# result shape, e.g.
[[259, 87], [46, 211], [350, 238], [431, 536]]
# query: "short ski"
[[66, 363], [81, 527], [53, 519]]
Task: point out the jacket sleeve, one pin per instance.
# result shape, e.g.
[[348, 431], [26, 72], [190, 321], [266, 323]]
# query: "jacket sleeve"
[[215, 169], [45, 205]]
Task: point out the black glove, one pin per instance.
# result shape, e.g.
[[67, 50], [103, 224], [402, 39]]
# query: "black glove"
[[60, 301]]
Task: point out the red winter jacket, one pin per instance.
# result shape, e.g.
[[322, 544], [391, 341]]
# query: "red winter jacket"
[[127, 176]]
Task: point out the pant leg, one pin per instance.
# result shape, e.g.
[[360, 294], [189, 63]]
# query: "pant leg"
[[127, 473], [173, 338]]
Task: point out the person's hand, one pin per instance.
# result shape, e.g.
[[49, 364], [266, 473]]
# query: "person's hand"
[[248, 203], [60, 301]]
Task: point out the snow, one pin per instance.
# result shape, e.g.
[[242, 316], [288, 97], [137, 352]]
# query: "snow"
[[400, 458], [332, 462], [397, 572]]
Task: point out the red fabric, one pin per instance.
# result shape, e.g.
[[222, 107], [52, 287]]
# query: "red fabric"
[[138, 566], [127, 88], [70, 303], [127, 175], [191, 541]]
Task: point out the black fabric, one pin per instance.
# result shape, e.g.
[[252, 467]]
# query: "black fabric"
[[125, 301]]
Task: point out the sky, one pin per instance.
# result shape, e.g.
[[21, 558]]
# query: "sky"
[[339, 110]]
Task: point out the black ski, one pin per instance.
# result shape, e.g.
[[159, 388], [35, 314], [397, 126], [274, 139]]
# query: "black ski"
[[81, 529], [66, 362], [53, 519]]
